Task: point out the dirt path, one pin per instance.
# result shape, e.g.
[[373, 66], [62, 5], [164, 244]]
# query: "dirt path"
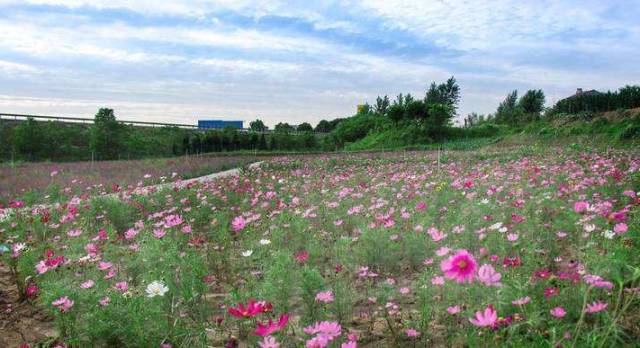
[[20, 321]]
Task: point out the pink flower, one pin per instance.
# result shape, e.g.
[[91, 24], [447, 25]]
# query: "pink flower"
[[580, 206], [453, 310], [88, 284], [269, 342], [596, 307], [104, 301], [104, 265], [329, 329], [271, 327], [405, 291], [63, 303], [319, 341], [122, 286], [558, 312], [324, 296], [521, 301], [159, 233], [238, 223], [349, 344], [412, 332], [130, 233], [459, 267], [487, 318], [437, 281], [488, 276], [620, 228]]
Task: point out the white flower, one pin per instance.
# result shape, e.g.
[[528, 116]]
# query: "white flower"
[[247, 253], [484, 201], [19, 247], [608, 234], [265, 242], [156, 288], [589, 228]]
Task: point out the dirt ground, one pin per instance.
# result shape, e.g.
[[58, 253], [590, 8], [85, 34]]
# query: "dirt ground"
[[20, 322]]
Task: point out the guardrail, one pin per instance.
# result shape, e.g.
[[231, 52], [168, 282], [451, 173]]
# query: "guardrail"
[[72, 120]]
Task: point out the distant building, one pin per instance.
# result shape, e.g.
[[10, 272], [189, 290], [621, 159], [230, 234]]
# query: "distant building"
[[219, 124], [580, 92]]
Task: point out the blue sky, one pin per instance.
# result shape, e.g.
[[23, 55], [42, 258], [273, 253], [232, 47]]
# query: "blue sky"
[[296, 61]]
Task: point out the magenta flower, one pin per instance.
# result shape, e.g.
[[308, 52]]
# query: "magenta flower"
[[488, 276], [558, 312], [489, 317], [596, 307], [459, 267], [271, 327]]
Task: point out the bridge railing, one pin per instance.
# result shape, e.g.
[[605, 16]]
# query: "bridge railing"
[[24, 117]]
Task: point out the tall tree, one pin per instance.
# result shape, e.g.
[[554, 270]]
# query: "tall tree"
[[305, 127], [106, 135], [532, 102], [258, 126], [382, 105]]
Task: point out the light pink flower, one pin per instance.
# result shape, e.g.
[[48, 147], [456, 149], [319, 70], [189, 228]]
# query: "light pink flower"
[[411, 332], [521, 301], [88, 284], [488, 317], [488, 276], [453, 310], [596, 307], [238, 223], [620, 228], [324, 296], [63, 303], [269, 342]]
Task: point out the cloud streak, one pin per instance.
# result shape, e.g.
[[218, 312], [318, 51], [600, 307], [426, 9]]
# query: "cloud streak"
[[294, 61]]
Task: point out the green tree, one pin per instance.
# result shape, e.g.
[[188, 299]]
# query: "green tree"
[[507, 110], [106, 135], [382, 105], [283, 128], [324, 126], [305, 127], [532, 102], [29, 139], [258, 126]]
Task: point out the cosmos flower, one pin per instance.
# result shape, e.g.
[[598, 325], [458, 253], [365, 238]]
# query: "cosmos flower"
[[324, 297], [252, 309], [488, 276], [238, 223], [488, 317], [459, 267], [156, 288], [558, 312], [269, 342], [596, 307], [271, 327], [411, 332], [63, 303]]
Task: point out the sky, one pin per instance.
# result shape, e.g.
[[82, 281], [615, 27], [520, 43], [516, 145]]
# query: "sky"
[[302, 61]]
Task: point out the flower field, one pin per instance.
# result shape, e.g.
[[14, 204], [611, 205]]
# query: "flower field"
[[521, 248]]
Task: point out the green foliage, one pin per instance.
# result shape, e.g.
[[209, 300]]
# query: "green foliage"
[[258, 126], [107, 135], [304, 127], [627, 97]]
